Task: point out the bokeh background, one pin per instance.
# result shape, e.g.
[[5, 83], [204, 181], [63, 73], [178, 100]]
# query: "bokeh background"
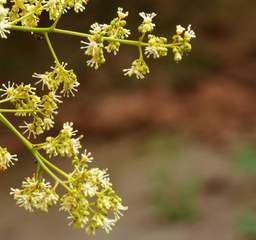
[[179, 145]]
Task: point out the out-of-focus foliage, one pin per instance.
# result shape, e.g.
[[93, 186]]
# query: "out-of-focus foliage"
[[172, 200], [247, 224]]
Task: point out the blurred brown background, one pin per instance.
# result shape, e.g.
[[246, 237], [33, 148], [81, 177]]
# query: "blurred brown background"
[[180, 145]]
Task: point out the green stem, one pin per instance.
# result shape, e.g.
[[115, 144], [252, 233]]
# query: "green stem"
[[35, 153], [57, 20], [16, 110], [29, 29], [85, 35], [5, 100], [140, 47], [55, 168], [16, 132], [49, 172], [51, 48], [38, 146], [38, 171]]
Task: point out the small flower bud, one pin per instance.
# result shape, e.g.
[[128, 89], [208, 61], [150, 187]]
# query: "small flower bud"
[[179, 29]]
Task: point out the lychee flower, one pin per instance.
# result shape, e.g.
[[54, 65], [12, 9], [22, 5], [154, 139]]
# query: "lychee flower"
[[35, 194], [6, 159], [95, 47], [147, 24], [4, 21], [65, 143], [59, 77], [139, 68], [156, 47], [182, 40], [189, 33]]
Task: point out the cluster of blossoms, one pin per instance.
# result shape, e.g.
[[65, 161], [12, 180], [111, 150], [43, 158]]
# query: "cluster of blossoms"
[[89, 199], [139, 68], [6, 159], [182, 39], [59, 77], [57, 7], [147, 24], [42, 109], [92, 203], [102, 37], [64, 144], [95, 47], [23, 97], [3, 19], [34, 8], [35, 194], [155, 46]]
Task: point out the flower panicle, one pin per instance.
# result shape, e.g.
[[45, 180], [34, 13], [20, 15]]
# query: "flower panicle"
[[109, 36], [89, 198], [90, 201]]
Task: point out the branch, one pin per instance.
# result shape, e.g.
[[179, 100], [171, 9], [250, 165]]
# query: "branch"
[[41, 160], [84, 35], [51, 48]]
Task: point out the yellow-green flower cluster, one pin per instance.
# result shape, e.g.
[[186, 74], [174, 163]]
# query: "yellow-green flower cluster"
[[95, 47], [115, 33], [59, 77], [41, 109], [182, 39], [139, 68], [147, 25], [91, 203], [22, 96], [64, 144], [20, 8], [156, 47], [35, 194], [27, 103], [49, 106], [34, 8], [116, 30], [89, 200], [6, 159], [3, 19], [58, 7]]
